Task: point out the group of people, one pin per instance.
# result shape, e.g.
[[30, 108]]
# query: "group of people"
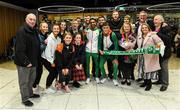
[[66, 53]]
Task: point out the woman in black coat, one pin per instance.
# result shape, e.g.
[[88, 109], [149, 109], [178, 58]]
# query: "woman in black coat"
[[64, 60], [79, 60]]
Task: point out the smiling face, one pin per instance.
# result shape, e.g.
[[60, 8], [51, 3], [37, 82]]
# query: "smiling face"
[[63, 26], [44, 28], [127, 28], [145, 29], [93, 23], [56, 30], [115, 15], [142, 16], [75, 24], [157, 21], [67, 39], [87, 19], [31, 20], [78, 38], [78, 20], [101, 20], [106, 29], [126, 20]]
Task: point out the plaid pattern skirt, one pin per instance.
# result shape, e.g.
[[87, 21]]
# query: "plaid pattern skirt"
[[78, 75]]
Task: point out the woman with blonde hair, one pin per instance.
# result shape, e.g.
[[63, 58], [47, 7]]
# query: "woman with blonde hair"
[[48, 57], [148, 64], [127, 19], [126, 42]]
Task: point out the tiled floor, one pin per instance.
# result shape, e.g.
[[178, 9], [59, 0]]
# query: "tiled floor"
[[93, 96]]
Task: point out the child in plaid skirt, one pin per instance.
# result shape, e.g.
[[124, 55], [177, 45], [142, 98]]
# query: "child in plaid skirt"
[[79, 60]]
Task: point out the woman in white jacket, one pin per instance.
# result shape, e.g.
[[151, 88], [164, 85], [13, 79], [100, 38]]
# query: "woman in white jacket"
[[48, 57]]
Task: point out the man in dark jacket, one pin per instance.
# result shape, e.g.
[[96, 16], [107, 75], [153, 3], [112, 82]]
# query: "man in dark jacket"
[[26, 57], [115, 24], [142, 19], [164, 34]]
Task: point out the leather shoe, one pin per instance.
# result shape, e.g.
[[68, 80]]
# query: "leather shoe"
[[128, 82], [28, 103], [156, 83], [35, 96], [139, 79], [144, 83], [123, 81], [163, 88], [76, 84]]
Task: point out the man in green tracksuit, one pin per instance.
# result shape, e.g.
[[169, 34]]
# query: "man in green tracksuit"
[[92, 35], [108, 41]]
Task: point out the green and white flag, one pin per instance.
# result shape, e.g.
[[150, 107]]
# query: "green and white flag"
[[148, 50]]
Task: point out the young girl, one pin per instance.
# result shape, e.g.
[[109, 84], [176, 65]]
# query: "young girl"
[[64, 62], [48, 57], [63, 29], [127, 42], [79, 60]]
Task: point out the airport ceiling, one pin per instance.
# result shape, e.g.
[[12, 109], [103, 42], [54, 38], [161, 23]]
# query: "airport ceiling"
[[34, 4]]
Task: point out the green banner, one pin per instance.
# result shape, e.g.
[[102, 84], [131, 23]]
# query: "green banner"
[[148, 50]]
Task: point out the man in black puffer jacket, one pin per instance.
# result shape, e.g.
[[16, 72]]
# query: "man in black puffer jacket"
[[26, 57]]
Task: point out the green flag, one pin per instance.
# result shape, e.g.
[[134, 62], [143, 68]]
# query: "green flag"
[[148, 50]]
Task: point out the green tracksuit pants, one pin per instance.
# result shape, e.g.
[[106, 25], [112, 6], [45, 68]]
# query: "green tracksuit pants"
[[103, 59], [95, 59]]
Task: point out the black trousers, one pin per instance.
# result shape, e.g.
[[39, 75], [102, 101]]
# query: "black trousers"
[[110, 69], [132, 73], [127, 70], [52, 72], [120, 67], [164, 72], [39, 71], [64, 79]]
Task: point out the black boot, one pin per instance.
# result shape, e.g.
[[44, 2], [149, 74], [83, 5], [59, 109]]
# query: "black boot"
[[144, 83], [76, 84], [132, 76], [149, 85], [123, 81], [128, 82], [139, 79]]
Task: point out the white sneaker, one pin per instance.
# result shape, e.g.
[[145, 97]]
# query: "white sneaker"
[[103, 80], [50, 90], [115, 82], [97, 80], [87, 80]]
